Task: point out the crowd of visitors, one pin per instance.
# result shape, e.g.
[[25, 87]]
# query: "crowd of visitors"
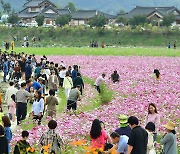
[[29, 82]]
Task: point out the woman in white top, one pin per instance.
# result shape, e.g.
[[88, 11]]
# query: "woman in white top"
[[67, 84], [38, 107], [150, 128]]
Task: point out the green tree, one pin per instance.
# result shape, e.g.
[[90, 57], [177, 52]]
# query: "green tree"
[[6, 8], [98, 21], [71, 6], [121, 12], [168, 20], [13, 19], [138, 20], [63, 20], [40, 20], [122, 20]]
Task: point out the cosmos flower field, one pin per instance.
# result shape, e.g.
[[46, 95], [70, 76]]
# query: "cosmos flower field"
[[132, 94]]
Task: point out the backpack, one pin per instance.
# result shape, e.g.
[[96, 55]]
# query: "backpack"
[[22, 148]]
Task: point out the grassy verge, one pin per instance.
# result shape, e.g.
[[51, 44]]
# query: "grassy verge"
[[106, 94], [138, 51]]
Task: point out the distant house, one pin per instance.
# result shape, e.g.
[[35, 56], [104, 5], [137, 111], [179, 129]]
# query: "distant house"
[[33, 8], [82, 17], [154, 14]]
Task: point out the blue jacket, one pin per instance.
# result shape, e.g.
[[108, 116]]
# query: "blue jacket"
[[5, 67], [28, 70], [74, 74], [8, 134]]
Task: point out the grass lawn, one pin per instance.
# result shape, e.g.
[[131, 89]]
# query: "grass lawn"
[[138, 51]]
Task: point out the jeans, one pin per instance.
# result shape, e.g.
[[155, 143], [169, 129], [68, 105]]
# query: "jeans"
[[5, 74]]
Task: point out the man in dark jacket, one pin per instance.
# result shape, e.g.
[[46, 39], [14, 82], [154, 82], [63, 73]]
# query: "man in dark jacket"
[[28, 71], [79, 81]]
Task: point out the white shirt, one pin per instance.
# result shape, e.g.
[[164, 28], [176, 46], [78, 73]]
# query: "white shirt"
[[99, 80], [9, 92], [62, 74], [47, 72]]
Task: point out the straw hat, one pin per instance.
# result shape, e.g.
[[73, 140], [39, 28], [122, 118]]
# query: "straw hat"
[[170, 125]]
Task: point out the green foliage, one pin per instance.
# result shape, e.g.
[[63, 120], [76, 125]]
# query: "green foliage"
[[122, 20], [40, 20], [13, 19], [63, 20], [6, 7], [168, 20], [98, 21], [138, 20], [71, 6]]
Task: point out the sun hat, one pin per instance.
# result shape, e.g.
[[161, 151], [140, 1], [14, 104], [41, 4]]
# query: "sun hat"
[[123, 119], [40, 78], [170, 125]]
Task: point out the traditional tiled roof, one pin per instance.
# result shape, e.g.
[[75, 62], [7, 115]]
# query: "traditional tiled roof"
[[139, 10], [34, 3], [88, 14], [25, 14], [64, 11]]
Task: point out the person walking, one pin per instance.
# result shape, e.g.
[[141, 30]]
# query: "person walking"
[[5, 69], [38, 107], [138, 139], [51, 138], [21, 99], [9, 92], [67, 84], [74, 72], [79, 81], [98, 82], [169, 140], [28, 71], [53, 81], [51, 102]]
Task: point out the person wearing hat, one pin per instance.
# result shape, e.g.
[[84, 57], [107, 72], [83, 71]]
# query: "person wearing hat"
[[169, 139], [124, 128]]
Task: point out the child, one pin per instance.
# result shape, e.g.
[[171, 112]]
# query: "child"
[[23, 145], [12, 108], [1, 115]]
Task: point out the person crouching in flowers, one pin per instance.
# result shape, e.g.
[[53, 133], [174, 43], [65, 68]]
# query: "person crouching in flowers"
[[22, 145], [50, 141], [169, 139], [38, 107]]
